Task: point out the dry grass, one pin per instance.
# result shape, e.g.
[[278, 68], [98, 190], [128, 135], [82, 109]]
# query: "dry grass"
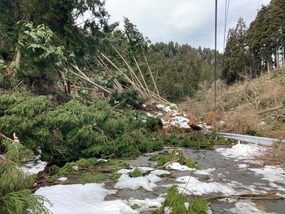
[[251, 107], [243, 120], [274, 156]]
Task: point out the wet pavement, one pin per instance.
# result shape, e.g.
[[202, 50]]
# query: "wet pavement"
[[235, 173]]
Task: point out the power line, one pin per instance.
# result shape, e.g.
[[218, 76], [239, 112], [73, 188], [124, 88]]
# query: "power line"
[[227, 8], [216, 15]]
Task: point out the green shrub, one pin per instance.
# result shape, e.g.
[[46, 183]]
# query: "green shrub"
[[17, 152], [91, 177], [15, 196], [136, 173], [154, 123], [176, 202], [165, 157], [116, 176], [191, 164], [128, 98]]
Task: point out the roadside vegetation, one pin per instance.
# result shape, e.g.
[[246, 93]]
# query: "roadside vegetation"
[[254, 107], [74, 94]]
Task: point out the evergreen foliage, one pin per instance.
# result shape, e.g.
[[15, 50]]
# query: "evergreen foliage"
[[22, 202], [15, 194], [125, 99], [176, 203], [250, 52], [234, 64], [178, 69], [17, 152], [12, 178], [68, 131], [136, 173], [154, 123]]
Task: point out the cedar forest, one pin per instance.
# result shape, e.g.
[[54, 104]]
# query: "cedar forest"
[[71, 88]]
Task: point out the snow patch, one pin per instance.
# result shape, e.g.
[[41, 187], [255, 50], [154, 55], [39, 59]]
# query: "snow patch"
[[62, 179], [178, 166], [241, 151], [242, 165], [34, 167], [246, 207], [192, 186], [271, 173], [82, 199], [147, 204], [146, 182], [167, 108], [179, 121]]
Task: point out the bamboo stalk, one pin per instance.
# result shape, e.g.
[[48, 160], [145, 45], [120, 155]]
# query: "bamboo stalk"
[[129, 67], [83, 76], [136, 87], [128, 79], [143, 79], [5, 137], [118, 86], [155, 86]]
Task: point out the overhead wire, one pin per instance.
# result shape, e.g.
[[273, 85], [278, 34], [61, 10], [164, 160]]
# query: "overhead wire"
[[258, 4], [227, 8]]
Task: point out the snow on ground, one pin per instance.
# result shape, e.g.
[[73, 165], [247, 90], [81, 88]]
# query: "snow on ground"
[[179, 121], [147, 182], [147, 204], [169, 108], [178, 166], [271, 173], [62, 179], [34, 167], [242, 151], [82, 199], [274, 175], [192, 186], [246, 152], [246, 207], [89, 198], [204, 172]]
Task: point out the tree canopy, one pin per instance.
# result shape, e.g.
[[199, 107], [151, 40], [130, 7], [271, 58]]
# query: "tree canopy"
[[258, 48]]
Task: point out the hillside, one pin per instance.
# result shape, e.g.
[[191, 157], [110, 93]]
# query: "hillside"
[[255, 107]]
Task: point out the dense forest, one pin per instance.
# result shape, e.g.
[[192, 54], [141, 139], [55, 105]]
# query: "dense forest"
[[69, 87], [258, 48]]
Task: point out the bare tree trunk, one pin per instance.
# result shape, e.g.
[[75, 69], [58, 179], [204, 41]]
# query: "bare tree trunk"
[[18, 56], [277, 58], [268, 65]]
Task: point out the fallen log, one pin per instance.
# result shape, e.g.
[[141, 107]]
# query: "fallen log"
[[253, 196]]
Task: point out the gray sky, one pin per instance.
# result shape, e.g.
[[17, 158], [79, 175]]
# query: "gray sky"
[[183, 21]]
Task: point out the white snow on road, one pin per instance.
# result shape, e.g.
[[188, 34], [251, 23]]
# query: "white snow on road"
[[192, 186], [178, 166], [242, 151], [147, 182], [82, 199], [246, 207]]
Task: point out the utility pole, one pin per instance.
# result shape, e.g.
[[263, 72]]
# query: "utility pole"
[[216, 12]]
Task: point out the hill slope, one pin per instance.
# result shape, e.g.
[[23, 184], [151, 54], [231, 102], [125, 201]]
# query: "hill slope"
[[255, 107]]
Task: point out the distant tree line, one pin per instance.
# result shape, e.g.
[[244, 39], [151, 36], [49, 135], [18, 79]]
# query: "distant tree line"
[[39, 42], [258, 48]]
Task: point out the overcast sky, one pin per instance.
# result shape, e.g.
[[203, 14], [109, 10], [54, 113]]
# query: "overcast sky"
[[183, 21]]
